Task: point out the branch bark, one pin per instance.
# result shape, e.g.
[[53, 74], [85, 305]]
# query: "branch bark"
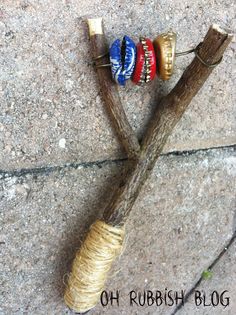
[[168, 112], [110, 92]]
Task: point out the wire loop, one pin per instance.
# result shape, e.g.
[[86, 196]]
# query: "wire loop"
[[183, 53], [177, 54], [103, 66], [101, 56], [209, 65], [196, 52]]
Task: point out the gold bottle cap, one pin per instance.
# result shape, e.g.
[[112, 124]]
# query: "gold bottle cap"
[[164, 46]]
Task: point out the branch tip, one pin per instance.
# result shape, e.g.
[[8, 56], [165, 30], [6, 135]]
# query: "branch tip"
[[95, 26], [222, 30]]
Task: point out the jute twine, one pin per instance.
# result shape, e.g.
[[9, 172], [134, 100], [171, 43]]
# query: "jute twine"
[[92, 264]]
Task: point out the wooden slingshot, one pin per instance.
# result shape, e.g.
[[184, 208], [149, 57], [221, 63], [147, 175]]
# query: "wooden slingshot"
[[105, 237]]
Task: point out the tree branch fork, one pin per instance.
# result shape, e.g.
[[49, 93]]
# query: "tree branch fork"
[[105, 239], [168, 112]]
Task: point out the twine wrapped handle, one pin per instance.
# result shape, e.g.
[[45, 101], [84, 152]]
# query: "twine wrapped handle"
[[105, 238], [92, 264]]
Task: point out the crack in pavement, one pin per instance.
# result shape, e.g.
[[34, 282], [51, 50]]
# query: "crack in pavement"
[[195, 151], [215, 261], [46, 170]]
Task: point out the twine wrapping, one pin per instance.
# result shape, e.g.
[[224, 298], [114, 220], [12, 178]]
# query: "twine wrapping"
[[92, 264]]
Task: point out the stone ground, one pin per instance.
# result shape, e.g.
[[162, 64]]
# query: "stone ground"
[[60, 160]]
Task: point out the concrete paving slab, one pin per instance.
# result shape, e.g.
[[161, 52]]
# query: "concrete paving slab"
[[51, 110], [183, 217], [217, 301]]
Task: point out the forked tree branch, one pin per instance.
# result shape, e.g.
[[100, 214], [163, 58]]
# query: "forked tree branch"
[[168, 112]]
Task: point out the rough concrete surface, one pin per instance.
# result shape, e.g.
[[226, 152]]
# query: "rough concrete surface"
[[223, 279], [51, 110], [180, 223], [60, 159]]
